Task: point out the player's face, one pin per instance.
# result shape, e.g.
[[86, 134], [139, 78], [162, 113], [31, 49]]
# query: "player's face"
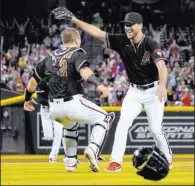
[[132, 30]]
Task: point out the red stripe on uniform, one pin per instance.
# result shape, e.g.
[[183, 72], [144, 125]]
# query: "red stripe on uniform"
[[91, 108]]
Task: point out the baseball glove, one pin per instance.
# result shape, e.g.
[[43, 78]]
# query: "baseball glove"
[[60, 15]]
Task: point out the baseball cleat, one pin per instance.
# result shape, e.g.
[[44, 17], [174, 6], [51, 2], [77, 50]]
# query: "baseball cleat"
[[91, 156], [53, 160], [71, 168], [101, 158], [113, 167], [71, 164]]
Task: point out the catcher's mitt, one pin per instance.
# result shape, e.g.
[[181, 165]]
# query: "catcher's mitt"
[[60, 15]]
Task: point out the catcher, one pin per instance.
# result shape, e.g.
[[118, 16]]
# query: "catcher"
[[64, 71]]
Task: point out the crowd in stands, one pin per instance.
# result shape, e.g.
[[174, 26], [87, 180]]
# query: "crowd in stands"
[[25, 42]]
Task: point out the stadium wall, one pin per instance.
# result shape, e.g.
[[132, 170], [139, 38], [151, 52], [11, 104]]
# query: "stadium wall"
[[13, 129], [178, 126], [5, 94]]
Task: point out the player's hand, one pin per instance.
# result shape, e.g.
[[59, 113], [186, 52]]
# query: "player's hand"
[[104, 90], [73, 18], [162, 93], [29, 105]]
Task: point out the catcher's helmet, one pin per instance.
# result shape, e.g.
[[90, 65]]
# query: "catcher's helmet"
[[151, 163]]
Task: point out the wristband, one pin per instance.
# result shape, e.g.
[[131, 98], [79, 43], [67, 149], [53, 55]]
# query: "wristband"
[[94, 80], [28, 95]]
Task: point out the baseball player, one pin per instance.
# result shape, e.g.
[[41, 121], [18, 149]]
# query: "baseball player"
[[147, 74], [64, 70], [52, 130]]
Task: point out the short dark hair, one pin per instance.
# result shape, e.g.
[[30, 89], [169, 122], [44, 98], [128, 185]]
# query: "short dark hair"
[[70, 35]]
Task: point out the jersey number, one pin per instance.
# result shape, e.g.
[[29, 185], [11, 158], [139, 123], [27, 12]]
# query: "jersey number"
[[63, 68]]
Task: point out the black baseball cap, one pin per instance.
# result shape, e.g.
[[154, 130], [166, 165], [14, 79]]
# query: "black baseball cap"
[[132, 18]]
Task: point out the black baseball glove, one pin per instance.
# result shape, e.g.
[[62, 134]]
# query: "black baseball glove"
[[60, 15]]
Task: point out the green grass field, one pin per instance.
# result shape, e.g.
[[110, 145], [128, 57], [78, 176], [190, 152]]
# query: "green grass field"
[[36, 170]]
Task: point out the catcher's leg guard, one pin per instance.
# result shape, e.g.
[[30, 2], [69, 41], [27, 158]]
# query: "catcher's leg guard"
[[99, 135], [109, 119], [70, 144], [100, 131]]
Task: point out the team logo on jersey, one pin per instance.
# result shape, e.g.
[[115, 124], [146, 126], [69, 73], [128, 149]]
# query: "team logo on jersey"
[[146, 58], [158, 51]]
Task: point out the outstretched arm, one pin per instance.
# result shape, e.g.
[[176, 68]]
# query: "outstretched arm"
[[16, 22], [90, 29], [26, 22], [63, 15], [163, 29], [182, 48], [2, 24]]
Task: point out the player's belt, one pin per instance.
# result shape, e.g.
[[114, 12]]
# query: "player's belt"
[[61, 99], [144, 87]]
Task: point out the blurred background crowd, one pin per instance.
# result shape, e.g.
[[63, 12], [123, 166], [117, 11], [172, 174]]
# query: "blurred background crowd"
[[26, 38]]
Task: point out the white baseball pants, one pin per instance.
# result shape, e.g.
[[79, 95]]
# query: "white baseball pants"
[[133, 103], [82, 111]]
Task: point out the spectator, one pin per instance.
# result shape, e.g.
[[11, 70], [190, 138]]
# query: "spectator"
[[31, 35], [112, 95], [47, 42], [182, 41], [19, 82], [172, 78], [24, 56], [156, 35], [97, 20], [192, 99], [185, 97], [174, 52], [21, 31], [169, 95], [119, 96]]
